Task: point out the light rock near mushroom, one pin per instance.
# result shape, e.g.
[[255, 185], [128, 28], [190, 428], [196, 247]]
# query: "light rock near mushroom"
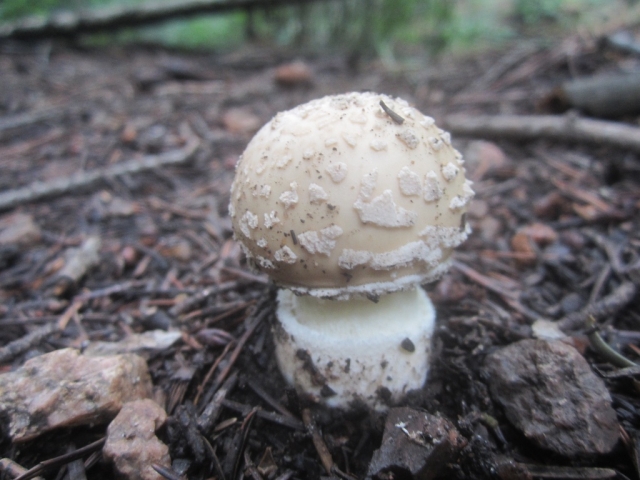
[[371, 200]]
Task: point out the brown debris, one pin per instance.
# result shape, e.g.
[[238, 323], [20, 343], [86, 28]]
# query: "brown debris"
[[418, 443]]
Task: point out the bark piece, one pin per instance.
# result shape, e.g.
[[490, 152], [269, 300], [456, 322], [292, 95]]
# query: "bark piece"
[[415, 445], [549, 392], [64, 388], [132, 445]]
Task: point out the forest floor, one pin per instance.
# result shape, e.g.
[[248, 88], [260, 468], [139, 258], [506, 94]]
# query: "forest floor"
[[555, 231]]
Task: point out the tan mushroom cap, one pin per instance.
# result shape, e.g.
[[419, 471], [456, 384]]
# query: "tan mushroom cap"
[[343, 196]]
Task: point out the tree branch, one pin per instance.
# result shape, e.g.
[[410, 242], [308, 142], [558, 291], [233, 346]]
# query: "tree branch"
[[558, 127], [68, 24]]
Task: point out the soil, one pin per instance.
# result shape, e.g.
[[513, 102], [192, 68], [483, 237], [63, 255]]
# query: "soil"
[[165, 239]]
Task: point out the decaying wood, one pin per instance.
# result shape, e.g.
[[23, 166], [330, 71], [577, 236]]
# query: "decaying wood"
[[603, 95], [568, 128], [59, 186], [69, 24]]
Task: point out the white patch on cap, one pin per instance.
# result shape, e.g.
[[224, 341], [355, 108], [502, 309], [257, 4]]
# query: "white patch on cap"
[[449, 171], [405, 256], [232, 210], [317, 194], [286, 255], [383, 211], [320, 242], [350, 139], [467, 190], [270, 219], [409, 182], [264, 263], [358, 118], [368, 185], [262, 165], [337, 171], [262, 243], [459, 202], [448, 237], [284, 161], [432, 189], [378, 145], [248, 222], [407, 112], [308, 154], [290, 197], [299, 129], [349, 259], [446, 137], [409, 138], [436, 143], [427, 122], [263, 191], [331, 142]]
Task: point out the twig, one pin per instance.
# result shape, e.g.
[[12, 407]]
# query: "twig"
[[270, 416], [22, 344], [394, 116], [60, 186], [609, 305], [236, 351], [200, 297], [212, 411], [12, 469], [318, 441], [560, 127], [61, 460], [603, 348], [211, 371], [246, 429], [268, 398], [167, 473]]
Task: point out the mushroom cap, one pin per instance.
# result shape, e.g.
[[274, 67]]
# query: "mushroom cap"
[[344, 195]]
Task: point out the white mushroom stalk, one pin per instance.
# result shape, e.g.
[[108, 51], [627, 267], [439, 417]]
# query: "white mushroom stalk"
[[353, 198]]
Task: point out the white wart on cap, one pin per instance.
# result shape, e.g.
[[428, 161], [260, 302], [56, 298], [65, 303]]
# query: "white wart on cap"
[[350, 194]]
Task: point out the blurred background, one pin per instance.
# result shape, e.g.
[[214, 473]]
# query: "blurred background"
[[392, 30]]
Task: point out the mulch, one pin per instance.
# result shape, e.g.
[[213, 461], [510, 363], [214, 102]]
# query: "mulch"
[[556, 236]]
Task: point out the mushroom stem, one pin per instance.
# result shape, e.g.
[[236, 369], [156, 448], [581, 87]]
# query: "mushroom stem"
[[345, 351]]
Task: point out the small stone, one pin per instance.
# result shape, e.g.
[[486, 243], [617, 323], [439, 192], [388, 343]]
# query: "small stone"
[[549, 392], [64, 388], [241, 121], [132, 445], [294, 74], [19, 229], [417, 443]]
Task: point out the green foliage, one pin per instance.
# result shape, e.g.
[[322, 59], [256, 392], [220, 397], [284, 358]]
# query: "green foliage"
[[360, 27]]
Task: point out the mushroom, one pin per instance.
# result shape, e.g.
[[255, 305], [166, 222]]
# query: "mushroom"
[[350, 203]]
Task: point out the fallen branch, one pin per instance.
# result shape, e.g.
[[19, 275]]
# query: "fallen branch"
[[559, 127], [69, 24], [59, 186], [606, 307]]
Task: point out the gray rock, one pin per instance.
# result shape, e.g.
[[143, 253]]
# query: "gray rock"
[[415, 445], [132, 445], [549, 392], [64, 388]]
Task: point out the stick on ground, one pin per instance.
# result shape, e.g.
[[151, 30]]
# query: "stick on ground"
[[59, 186], [559, 127]]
